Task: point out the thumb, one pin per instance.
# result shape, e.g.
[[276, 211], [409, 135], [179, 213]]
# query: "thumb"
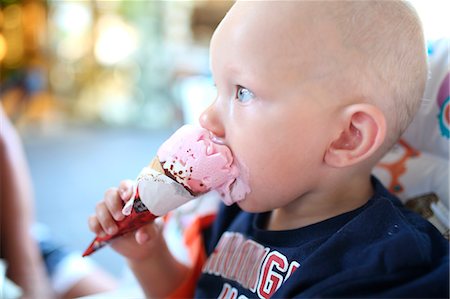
[[142, 236], [149, 233]]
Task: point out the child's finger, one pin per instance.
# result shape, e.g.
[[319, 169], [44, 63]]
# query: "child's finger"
[[105, 219], [95, 226], [125, 189], [114, 203], [142, 236], [148, 232]]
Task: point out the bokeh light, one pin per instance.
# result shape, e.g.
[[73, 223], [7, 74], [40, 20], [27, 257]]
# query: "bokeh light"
[[116, 40], [3, 48]]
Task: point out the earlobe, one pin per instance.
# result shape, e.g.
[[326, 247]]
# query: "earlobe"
[[363, 131]]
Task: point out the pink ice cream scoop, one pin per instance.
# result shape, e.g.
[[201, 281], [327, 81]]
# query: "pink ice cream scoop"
[[187, 165], [195, 160]]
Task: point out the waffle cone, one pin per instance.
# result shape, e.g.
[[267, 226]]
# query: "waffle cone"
[[155, 164]]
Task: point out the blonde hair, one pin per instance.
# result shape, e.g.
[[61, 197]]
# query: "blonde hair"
[[389, 37]]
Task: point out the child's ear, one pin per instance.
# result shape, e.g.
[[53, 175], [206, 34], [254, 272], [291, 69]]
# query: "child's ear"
[[363, 132]]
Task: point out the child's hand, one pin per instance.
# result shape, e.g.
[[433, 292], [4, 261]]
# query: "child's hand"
[[135, 245]]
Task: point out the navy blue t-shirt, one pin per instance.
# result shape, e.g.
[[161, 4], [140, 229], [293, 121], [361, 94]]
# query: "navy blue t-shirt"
[[378, 250]]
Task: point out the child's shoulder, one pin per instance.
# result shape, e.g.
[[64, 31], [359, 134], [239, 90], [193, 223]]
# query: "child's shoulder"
[[385, 222]]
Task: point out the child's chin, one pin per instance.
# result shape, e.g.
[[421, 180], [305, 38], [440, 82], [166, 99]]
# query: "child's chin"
[[242, 204], [248, 206]]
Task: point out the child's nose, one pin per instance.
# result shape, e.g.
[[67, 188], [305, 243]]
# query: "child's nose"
[[211, 121]]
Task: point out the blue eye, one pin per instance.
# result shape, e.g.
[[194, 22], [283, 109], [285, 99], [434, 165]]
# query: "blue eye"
[[244, 95]]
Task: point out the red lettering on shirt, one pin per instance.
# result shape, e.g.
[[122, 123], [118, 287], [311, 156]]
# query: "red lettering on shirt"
[[255, 267], [271, 280]]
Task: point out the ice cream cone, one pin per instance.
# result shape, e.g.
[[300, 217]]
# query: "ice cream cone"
[[138, 216], [188, 164], [155, 164]]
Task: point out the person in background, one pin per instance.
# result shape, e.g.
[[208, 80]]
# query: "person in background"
[[40, 267]]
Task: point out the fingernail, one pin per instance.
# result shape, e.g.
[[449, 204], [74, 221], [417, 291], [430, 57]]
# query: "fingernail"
[[119, 216], [111, 230], [143, 238], [122, 193]]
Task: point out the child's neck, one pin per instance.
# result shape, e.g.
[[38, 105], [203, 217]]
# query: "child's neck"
[[318, 206]]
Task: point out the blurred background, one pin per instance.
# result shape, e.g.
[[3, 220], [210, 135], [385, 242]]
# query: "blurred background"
[[95, 86]]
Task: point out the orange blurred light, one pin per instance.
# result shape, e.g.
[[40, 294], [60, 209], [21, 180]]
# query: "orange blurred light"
[[13, 36], [3, 47], [12, 16]]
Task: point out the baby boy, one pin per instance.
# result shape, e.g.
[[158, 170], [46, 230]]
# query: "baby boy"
[[310, 95]]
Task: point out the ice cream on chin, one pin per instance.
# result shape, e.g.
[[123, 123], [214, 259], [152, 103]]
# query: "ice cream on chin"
[[187, 165]]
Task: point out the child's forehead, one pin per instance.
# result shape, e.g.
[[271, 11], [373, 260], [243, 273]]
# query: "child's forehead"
[[272, 16], [268, 36], [287, 26]]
